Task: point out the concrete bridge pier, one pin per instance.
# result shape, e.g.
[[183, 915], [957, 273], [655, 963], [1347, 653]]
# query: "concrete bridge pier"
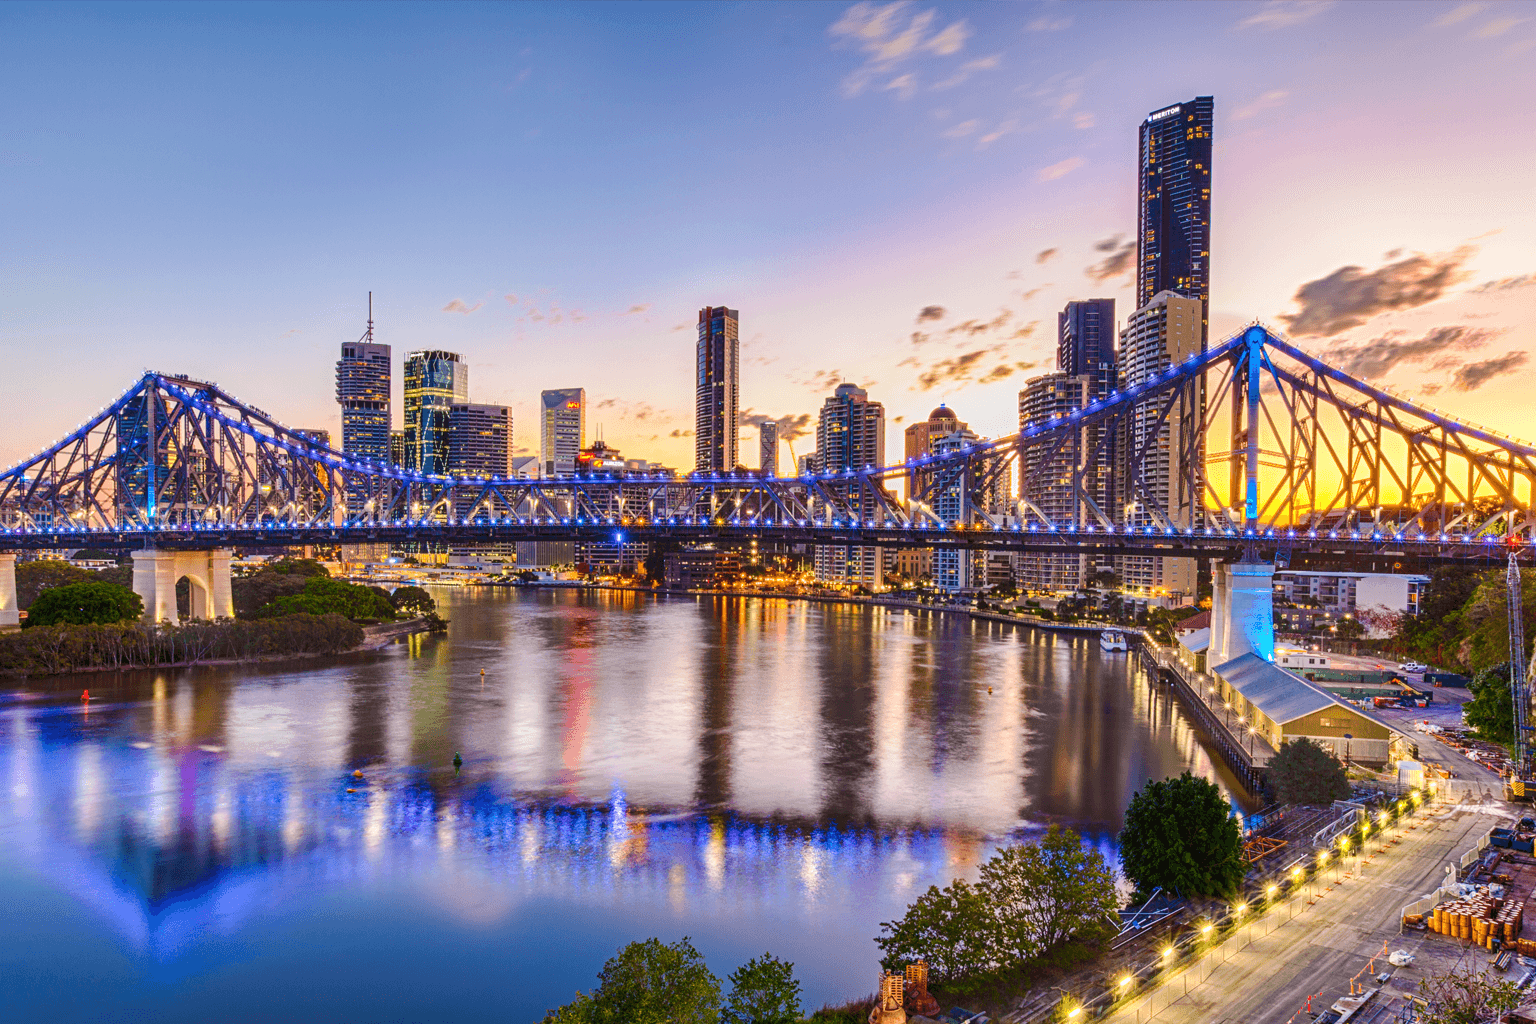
[[155, 574], [10, 614], [1242, 611]]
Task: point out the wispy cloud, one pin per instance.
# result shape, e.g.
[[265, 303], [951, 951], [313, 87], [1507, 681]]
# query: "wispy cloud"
[[1458, 14], [962, 129], [928, 313], [1005, 127], [1060, 169], [1273, 14], [1506, 284], [791, 427], [1118, 261], [1049, 24], [968, 69], [511, 299], [1046, 255], [1268, 101], [1351, 295], [1497, 27], [889, 35], [1475, 375], [1378, 355], [636, 309], [459, 306]]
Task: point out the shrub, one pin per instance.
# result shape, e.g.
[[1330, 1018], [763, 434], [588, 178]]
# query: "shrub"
[[763, 991], [1305, 772], [84, 604], [325, 596], [648, 983]]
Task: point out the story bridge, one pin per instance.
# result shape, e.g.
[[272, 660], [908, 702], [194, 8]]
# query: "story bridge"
[[1251, 450]]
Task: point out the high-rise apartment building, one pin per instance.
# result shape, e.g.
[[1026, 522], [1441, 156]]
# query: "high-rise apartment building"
[[362, 388], [397, 447], [718, 394], [918, 441], [562, 430], [1174, 221], [1046, 484], [480, 440], [953, 569], [768, 448], [850, 434], [1165, 331], [435, 381]]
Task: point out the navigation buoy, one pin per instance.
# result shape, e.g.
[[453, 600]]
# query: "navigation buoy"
[[86, 695], [482, 671], [357, 773], [989, 689], [458, 762]]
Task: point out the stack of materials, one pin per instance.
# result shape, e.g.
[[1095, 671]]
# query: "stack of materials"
[[1479, 918]]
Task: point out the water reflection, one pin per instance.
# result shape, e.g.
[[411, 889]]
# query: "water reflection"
[[754, 773]]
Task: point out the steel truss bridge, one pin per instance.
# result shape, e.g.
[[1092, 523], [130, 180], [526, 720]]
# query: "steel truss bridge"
[[1252, 448]]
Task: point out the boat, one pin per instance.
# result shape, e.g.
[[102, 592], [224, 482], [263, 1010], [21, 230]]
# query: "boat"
[[1113, 640]]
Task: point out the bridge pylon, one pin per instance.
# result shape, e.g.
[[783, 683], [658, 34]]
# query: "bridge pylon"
[[156, 573]]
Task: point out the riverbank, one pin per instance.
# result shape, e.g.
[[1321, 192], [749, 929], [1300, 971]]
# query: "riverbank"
[[70, 649]]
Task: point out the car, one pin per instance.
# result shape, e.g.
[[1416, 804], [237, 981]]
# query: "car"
[[1415, 666]]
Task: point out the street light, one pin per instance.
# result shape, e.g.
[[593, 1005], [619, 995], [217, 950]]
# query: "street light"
[[1347, 738]]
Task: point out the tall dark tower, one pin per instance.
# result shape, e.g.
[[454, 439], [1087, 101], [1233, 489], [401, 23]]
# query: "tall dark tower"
[[362, 388], [1085, 345], [1174, 241], [718, 394]]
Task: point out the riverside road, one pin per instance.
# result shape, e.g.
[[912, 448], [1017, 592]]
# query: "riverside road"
[[1328, 934]]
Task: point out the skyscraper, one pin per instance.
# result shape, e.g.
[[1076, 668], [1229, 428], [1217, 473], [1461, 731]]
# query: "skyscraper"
[[1046, 483], [954, 569], [435, 381], [1085, 342], [850, 434], [1174, 222], [480, 440], [362, 388], [768, 448], [562, 430], [718, 391], [919, 439], [1165, 331]]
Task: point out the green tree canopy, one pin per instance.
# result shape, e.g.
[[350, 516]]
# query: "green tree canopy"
[[412, 599], [763, 991], [648, 983], [1180, 834], [84, 604], [325, 596], [1491, 710], [1029, 899], [1305, 772]]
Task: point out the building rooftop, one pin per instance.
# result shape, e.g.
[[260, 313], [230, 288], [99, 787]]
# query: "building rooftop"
[[1196, 641], [1282, 696]]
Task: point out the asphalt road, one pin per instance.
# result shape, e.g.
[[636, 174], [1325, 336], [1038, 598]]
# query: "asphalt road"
[[1314, 950]]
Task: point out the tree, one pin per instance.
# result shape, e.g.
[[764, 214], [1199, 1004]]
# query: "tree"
[[648, 983], [412, 599], [1180, 834], [1029, 899], [1491, 711], [325, 596], [83, 604], [1348, 629], [1305, 772], [1466, 995], [1045, 894], [763, 991]]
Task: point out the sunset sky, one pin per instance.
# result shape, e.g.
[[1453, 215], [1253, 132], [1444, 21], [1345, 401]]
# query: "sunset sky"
[[554, 191]]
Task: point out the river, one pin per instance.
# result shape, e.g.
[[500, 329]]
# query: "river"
[[756, 774]]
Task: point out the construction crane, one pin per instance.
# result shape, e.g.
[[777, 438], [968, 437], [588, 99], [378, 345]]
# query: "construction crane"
[[1519, 686]]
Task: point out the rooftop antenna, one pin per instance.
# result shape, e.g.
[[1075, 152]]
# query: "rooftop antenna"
[[368, 334]]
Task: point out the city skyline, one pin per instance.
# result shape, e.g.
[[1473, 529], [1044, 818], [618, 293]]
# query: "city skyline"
[[1006, 205]]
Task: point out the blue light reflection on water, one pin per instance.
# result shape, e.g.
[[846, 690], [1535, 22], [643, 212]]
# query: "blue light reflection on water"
[[780, 779]]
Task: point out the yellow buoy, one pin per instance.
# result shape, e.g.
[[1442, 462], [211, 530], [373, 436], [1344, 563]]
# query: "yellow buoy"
[[357, 773]]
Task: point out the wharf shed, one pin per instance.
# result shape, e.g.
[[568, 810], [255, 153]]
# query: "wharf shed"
[[1281, 706]]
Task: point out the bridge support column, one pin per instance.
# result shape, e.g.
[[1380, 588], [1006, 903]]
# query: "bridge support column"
[[10, 614], [1242, 611], [155, 574]]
